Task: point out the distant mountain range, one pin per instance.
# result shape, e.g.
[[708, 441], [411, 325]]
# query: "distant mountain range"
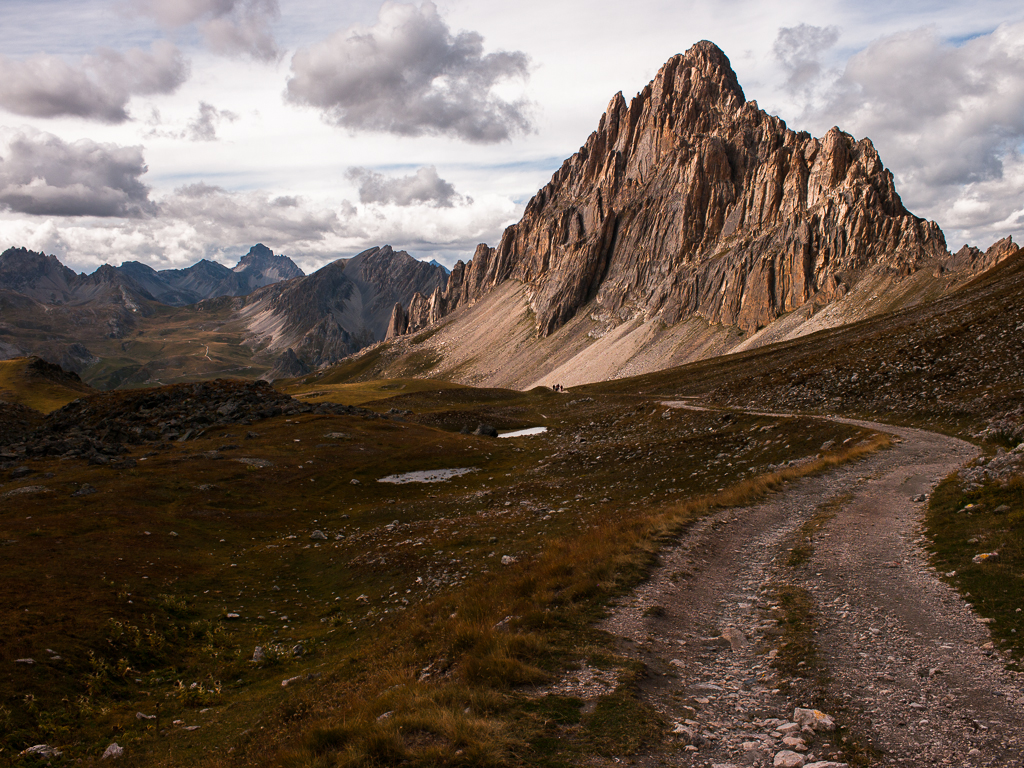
[[130, 325], [44, 279]]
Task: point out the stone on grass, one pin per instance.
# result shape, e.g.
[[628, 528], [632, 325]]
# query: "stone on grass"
[[508, 560], [41, 750], [318, 536], [113, 752], [258, 655]]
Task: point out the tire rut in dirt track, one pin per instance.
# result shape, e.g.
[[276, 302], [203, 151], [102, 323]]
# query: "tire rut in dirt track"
[[901, 655]]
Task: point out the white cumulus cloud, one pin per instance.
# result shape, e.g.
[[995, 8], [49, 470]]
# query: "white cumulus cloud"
[[42, 175], [424, 187], [97, 87], [230, 27], [410, 75]]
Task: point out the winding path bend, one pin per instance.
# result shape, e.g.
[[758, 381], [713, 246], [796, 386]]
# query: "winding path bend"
[[906, 658]]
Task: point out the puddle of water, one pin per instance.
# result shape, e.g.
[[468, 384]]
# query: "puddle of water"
[[427, 475], [526, 432]]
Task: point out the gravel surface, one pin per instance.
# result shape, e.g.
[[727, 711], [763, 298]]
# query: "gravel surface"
[[904, 665]]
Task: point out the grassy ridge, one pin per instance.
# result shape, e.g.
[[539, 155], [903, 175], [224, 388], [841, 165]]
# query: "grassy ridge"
[[30, 385]]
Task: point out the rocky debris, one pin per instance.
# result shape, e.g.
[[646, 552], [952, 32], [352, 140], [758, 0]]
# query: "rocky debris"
[[85, 490], [16, 422], [691, 201], [258, 463], [100, 428], [1001, 468]]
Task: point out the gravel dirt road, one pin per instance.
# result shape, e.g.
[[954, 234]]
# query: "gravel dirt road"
[[835, 566]]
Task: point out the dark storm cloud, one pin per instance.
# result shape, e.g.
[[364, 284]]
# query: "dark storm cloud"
[[230, 27], [424, 187], [42, 175], [409, 75], [98, 87]]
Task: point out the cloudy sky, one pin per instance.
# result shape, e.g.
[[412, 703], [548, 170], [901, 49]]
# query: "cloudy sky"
[[167, 131]]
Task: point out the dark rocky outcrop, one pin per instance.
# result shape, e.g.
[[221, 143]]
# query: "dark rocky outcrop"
[[974, 260], [102, 426], [691, 201]]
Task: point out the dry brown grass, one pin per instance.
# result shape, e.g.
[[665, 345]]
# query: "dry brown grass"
[[507, 632]]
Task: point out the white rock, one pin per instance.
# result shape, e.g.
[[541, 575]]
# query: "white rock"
[[42, 750], [814, 719], [113, 752], [508, 560]]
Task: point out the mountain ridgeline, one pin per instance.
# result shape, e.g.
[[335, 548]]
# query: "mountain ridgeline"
[[133, 325], [691, 202]]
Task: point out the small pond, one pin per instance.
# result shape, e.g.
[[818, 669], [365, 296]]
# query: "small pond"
[[526, 432]]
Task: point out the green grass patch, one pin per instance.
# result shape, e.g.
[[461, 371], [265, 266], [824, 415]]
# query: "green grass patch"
[[964, 524]]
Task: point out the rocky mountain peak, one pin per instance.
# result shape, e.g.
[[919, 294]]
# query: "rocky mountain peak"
[[691, 201], [266, 267]]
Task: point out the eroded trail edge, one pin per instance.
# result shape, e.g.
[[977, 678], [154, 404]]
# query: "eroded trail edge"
[[822, 596]]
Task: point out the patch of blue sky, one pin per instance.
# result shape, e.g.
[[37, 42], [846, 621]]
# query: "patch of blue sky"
[[62, 28], [959, 40]]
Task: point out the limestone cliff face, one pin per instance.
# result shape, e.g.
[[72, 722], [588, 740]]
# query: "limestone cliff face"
[[690, 201]]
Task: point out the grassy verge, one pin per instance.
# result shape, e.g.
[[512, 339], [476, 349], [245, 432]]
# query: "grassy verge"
[[965, 524], [392, 627], [521, 628]]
